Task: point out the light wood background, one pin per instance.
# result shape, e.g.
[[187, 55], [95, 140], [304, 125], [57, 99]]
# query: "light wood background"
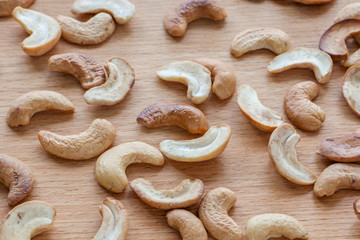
[[244, 167]]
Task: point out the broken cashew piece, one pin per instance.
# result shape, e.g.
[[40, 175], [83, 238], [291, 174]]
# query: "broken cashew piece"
[[7, 7], [213, 212], [258, 115], [111, 165], [30, 103], [44, 31], [187, 193], [314, 59], [283, 153], [350, 88], [177, 19], [85, 145]]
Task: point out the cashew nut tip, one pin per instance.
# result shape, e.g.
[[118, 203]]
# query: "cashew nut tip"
[[314, 59], [189, 226], [177, 19], [187, 193], [253, 39], [85, 145], [213, 212], [356, 207], [44, 31], [85, 68], [174, 114], [274, 225], [30, 103], [349, 87], [7, 7], [111, 165]]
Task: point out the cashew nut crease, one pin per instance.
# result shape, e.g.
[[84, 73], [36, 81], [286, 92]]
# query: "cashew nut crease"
[[85, 145], [283, 153], [213, 212], [252, 39], [7, 7], [177, 19], [274, 225], [314, 59], [356, 207], [194, 75], [44, 31], [118, 85], [258, 115], [189, 226], [30, 103], [174, 114], [121, 10], [27, 220], [111, 165], [187, 193], [207, 147], [350, 88]]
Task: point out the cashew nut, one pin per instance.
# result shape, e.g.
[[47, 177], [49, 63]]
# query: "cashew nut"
[[7, 7], [27, 220], [356, 207], [213, 214], [258, 115], [314, 59], [252, 39], [349, 11], [274, 225], [350, 88], [174, 114], [30, 103], [222, 76], [44, 31], [85, 145], [283, 153], [194, 75], [189, 226], [353, 59], [303, 113], [177, 19], [111, 165], [121, 10], [187, 193], [118, 85]]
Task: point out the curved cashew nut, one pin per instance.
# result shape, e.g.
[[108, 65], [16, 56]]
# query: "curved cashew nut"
[[189, 226], [85, 145], [187, 193], [111, 165], [213, 214], [274, 225], [349, 87], [314, 59], [173, 114], [177, 19], [349, 11], [30, 103], [7, 7], [252, 39], [44, 31]]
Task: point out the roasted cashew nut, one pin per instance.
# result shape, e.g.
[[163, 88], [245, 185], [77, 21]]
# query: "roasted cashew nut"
[[7, 6], [349, 11], [353, 58], [350, 88]]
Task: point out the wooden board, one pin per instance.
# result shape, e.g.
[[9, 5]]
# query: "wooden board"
[[244, 167]]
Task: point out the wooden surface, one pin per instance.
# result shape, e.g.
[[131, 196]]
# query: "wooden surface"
[[244, 167]]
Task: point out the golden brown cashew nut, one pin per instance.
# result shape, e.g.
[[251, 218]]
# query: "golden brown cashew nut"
[[213, 212], [30, 103], [349, 87], [7, 6], [85, 145], [177, 19]]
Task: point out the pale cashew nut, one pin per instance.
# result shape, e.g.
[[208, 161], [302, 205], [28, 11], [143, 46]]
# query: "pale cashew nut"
[[177, 19], [350, 88], [283, 153], [7, 6], [353, 58], [85, 145], [349, 11], [187, 193], [111, 165], [356, 207], [44, 31], [213, 212], [30, 103]]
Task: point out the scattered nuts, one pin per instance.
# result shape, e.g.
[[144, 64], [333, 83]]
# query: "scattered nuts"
[[303, 113], [283, 153], [187, 193], [213, 214], [177, 19], [7, 7], [30, 103], [111, 165], [356, 206], [350, 88], [85, 145], [314, 59], [258, 115], [44, 31], [352, 59]]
